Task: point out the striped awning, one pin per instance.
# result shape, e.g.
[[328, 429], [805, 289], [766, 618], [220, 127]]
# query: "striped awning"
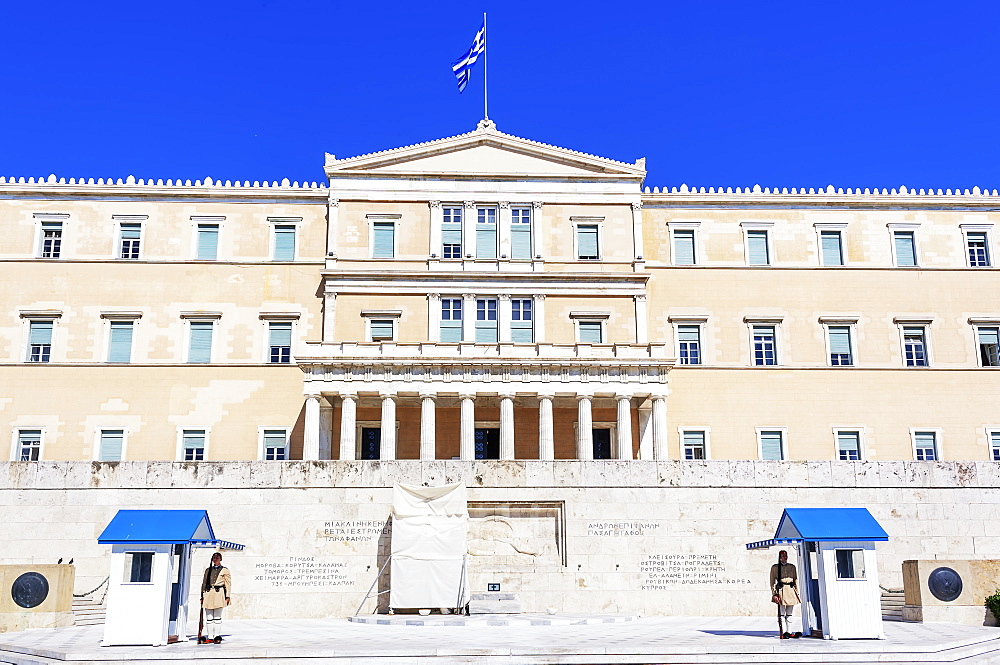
[[764, 544], [218, 544]]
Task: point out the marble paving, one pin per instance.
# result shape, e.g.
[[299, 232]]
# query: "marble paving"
[[647, 640]]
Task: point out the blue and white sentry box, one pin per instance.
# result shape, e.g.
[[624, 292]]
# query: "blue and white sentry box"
[[838, 573], [151, 573]]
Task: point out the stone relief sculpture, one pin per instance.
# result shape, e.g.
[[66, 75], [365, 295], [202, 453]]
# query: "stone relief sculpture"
[[497, 536]]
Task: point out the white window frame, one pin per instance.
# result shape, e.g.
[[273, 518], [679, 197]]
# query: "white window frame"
[[360, 425], [109, 317], [704, 429], [857, 429], [275, 222], [462, 247], [986, 230], [672, 228], [260, 442], [989, 430], [779, 352], [829, 227], [909, 227], [510, 317], [577, 222], [42, 218], [372, 218], [784, 442], [267, 318], [180, 441], [836, 322], [976, 323], [699, 321], [97, 440], [198, 220], [27, 316], [768, 228], [591, 317], [902, 325], [15, 444], [531, 231], [199, 317], [938, 443], [393, 315], [139, 220]]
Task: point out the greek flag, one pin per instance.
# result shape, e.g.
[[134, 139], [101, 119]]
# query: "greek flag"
[[463, 65]]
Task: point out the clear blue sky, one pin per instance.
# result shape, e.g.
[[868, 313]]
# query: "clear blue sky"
[[731, 93]]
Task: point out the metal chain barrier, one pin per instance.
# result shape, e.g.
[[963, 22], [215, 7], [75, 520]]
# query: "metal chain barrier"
[[81, 595]]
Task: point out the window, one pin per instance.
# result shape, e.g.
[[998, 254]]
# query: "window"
[[129, 238], [200, 341], [51, 240], [764, 345], [486, 321], [208, 242], [370, 442], [989, 346], [383, 240], [758, 248], [772, 444], [520, 233], [684, 254], [848, 445], [39, 341], [840, 345], [850, 564], [280, 341], [831, 248], [275, 444], [600, 437], [138, 567], [925, 446], [693, 444], [590, 332], [193, 444], [904, 245], [487, 443], [120, 342], [995, 445], [915, 346], [381, 330], [486, 233], [451, 320], [978, 248], [521, 320], [112, 443], [587, 245], [29, 445], [284, 242], [689, 344], [451, 233]]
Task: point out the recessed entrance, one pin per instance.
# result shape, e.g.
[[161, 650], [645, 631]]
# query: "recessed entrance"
[[487, 443]]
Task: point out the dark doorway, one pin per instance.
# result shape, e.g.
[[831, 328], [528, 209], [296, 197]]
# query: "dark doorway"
[[602, 443], [371, 443], [487, 443]]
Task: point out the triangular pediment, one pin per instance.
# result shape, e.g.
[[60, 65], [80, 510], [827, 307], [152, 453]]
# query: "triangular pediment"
[[485, 152]]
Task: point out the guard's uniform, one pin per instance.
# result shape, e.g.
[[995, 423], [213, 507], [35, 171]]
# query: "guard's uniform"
[[216, 586], [784, 584]]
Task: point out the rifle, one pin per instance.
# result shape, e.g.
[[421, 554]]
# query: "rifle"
[[201, 623]]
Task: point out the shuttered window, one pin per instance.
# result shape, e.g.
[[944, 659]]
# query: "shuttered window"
[[995, 446], [915, 347], [381, 329], [979, 254], [586, 242], [486, 321], [486, 233], [840, 345], [591, 332], [29, 444], [120, 347], [451, 320], [757, 248], [772, 445], [383, 240], [39, 341], [51, 240], [764, 347], [193, 442], [689, 345], [694, 445], [451, 233], [849, 446], [280, 341], [520, 233], [275, 445], [831, 248], [684, 247], [284, 242], [129, 236], [906, 249], [112, 441], [926, 446], [989, 346], [200, 347], [208, 242], [522, 321]]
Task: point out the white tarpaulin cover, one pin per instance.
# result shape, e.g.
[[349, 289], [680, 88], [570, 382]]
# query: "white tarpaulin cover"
[[429, 526]]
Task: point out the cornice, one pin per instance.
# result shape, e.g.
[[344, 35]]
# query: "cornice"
[[130, 187]]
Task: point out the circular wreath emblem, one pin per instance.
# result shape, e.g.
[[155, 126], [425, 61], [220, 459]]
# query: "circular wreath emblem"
[[945, 584], [29, 590]]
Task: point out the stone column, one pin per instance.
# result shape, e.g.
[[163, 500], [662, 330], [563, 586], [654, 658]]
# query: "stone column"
[[624, 403], [503, 229], [536, 231], [506, 427], [329, 316], [645, 433], [434, 317], [538, 316], [428, 427], [310, 438], [468, 230], [437, 219], [467, 428], [468, 317], [641, 322], [387, 443], [659, 427], [332, 228], [325, 429], [504, 313], [584, 428], [546, 442], [348, 426], [637, 228]]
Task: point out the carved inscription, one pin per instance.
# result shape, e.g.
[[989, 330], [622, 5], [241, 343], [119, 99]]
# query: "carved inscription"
[[622, 529], [305, 573], [675, 571], [352, 531]]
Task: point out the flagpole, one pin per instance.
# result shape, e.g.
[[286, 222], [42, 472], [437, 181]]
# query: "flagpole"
[[486, 104]]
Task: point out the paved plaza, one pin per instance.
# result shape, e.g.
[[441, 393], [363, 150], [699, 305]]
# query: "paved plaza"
[[647, 640]]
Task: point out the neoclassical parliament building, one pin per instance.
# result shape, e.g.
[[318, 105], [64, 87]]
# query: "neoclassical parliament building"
[[484, 296]]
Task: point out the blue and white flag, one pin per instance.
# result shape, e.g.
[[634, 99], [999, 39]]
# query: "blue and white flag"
[[463, 65]]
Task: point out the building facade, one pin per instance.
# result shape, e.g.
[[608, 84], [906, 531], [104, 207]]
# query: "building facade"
[[487, 297]]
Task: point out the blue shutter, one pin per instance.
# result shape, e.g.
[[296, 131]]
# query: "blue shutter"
[[687, 333], [520, 233], [111, 445], [131, 231], [381, 329], [194, 438], [986, 336], [840, 339], [384, 240], [486, 234], [451, 236], [521, 324], [200, 350], [586, 241], [770, 446], [590, 332], [208, 241], [831, 247], [120, 348], [40, 332], [906, 254], [451, 320], [849, 445], [926, 445], [684, 247], [694, 445], [486, 321], [757, 241], [281, 333], [284, 242]]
